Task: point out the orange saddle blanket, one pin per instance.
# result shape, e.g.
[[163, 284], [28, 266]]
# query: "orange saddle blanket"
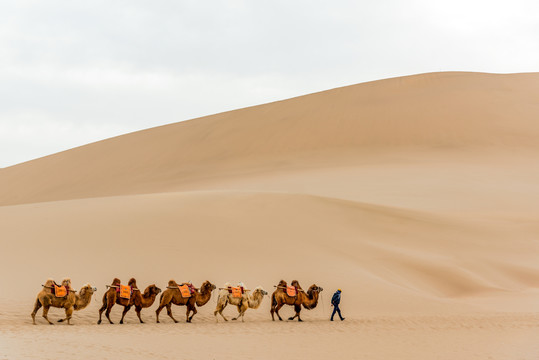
[[291, 291], [60, 291], [236, 291], [125, 291], [185, 291]]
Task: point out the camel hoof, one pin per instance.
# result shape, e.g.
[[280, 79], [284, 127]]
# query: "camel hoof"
[[234, 318], [98, 322], [121, 322], [290, 318], [300, 320], [157, 321], [60, 320]]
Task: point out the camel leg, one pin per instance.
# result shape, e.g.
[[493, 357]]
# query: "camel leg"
[[37, 306], [244, 308], [126, 309], [46, 312], [169, 312], [158, 311], [297, 308], [107, 313], [69, 313], [138, 309], [277, 308], [219, 310], [241, 312], [194, 310], [103, 308]]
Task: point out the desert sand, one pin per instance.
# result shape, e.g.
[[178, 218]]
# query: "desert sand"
[[418, 196]]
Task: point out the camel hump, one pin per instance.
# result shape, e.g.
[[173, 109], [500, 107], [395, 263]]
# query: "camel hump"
[[116, 281], [172, 283], [132, 282], [50, 282], [282, 283], [296, 284]]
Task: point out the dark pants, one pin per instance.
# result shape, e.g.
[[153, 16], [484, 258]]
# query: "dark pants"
[[336, 310]]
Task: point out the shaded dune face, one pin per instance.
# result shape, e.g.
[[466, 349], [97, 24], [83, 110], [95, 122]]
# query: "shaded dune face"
[[414, 195]]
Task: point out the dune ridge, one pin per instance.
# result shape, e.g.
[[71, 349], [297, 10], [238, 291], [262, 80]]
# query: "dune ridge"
[[428, 111]]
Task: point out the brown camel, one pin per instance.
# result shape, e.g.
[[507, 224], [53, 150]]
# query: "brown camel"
[[308, 299], [172, 295], [72, 301], [246, 301], [137, 299]]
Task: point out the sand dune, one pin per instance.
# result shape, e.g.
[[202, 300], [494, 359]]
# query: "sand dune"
[[418, 196], [429, 112]]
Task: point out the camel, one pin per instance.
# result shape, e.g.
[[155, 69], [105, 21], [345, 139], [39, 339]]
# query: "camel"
[[172, 295], [247, 301], [72, 301], [308, 299], [137, 299]]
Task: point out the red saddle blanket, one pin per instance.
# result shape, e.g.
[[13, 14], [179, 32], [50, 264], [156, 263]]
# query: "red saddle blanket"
[[236, 292], [59, 291], [291, 291], [186, 290], [125, 291]]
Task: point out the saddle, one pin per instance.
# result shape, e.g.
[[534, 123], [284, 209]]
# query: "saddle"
[[291, 291], [59, 291], [236, 292], [125, 291], [187, 290]]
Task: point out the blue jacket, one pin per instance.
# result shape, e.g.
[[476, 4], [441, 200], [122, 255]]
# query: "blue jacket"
[[336, 299]]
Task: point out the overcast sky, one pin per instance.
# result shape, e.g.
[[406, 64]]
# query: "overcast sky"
[[74, 72]]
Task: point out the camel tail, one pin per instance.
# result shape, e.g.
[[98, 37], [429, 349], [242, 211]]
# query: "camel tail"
[[105, 298]]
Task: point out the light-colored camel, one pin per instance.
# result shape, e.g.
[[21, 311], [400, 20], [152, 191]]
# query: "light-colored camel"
[[72, 301], [248, 300], [137, 299], [308, 299], [172, 295]]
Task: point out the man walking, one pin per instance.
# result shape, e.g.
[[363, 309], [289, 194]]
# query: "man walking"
[[335, 301]]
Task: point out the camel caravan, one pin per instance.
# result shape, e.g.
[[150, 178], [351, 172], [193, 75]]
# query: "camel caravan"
[[180, 294]]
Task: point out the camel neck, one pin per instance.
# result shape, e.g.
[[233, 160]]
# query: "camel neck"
[[203, 297], [147, 300], [254, 300], [82, 301]]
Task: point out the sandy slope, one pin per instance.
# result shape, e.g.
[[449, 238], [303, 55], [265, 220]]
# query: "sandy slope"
[[417, 195]]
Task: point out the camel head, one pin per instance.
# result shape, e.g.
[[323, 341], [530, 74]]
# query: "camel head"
[[151, 290], [87, 290], [314, 289], [259, 290], [207, 286]]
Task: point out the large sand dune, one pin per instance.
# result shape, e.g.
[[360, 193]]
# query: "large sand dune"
[[417, 195]]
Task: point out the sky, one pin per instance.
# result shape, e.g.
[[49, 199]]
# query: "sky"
[[75, 72]]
